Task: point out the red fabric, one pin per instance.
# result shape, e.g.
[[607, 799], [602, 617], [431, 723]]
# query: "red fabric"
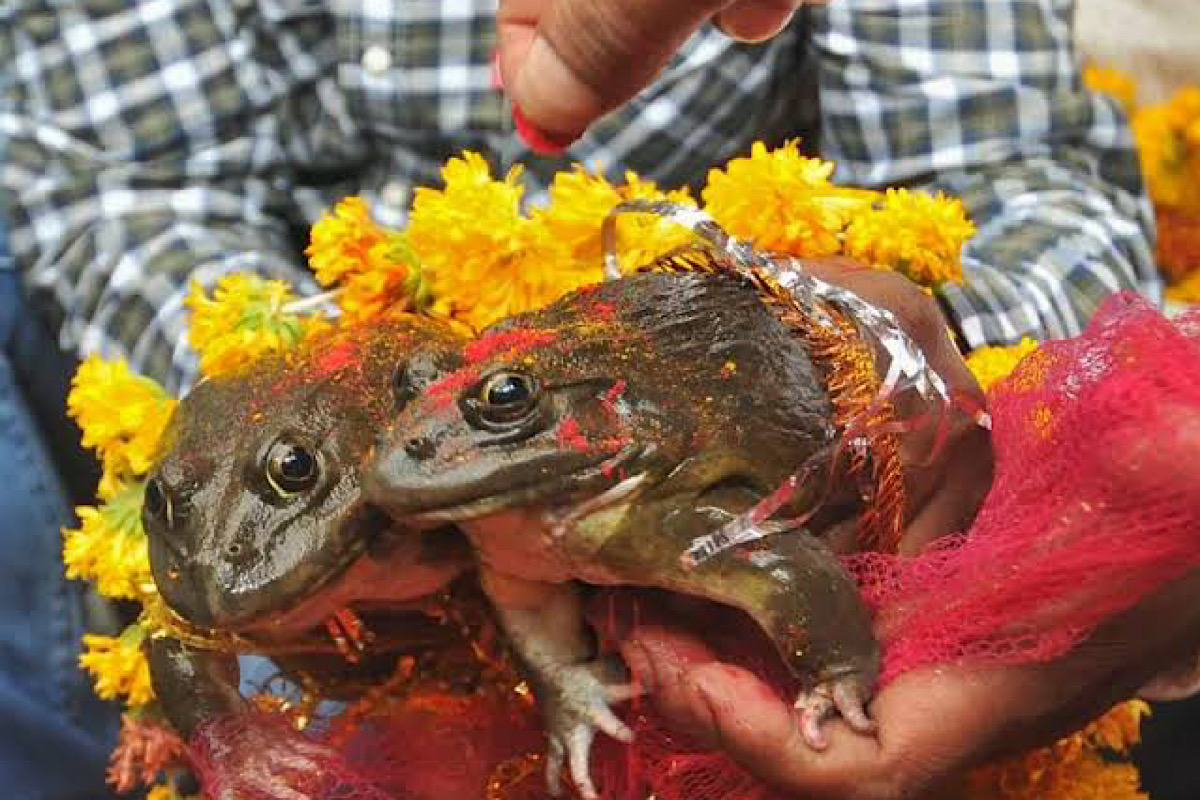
[[1086, 516]]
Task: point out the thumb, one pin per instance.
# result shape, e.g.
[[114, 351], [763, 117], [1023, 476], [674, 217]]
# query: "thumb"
[[565, 63]]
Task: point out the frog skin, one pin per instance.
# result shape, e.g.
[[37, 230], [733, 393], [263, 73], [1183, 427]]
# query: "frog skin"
[[257, 526], [595, 441]]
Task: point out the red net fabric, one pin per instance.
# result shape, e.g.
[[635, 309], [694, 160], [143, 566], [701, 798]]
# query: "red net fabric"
[[1092, 507]]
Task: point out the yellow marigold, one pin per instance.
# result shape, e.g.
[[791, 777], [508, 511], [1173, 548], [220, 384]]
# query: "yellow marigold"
[[109, 546], [782, 201], [579, 203], [167, 792], [118, 665], [121, 414], [990, 364], [375, 268], [483, 259], [917, 234], [246, 317], [1112, 82], [1168, 140], [1186, 291]]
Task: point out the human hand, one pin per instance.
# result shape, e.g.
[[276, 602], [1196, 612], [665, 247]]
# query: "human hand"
[[565, 63], [934, 722], [945, 482]]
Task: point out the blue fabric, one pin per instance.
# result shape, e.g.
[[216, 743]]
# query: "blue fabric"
[[55, 736]]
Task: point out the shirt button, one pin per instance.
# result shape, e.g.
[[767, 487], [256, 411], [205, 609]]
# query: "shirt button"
[[394, 194], [376, 59]]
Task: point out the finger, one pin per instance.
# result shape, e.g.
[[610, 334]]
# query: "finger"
[[555, 756], [755, 20], [579, 746], [566, 63]]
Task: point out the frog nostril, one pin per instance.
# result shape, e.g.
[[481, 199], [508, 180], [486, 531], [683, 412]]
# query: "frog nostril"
[[420, 449], [233, 550]]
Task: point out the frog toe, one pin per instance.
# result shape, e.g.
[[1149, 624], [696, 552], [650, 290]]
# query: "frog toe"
[[843, 695], [578, 708]]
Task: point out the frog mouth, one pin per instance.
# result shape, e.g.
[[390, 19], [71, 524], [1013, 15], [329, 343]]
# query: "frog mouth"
[[583, 480]]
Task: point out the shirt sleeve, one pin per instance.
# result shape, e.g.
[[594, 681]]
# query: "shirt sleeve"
[[983, 99], [125, 179]]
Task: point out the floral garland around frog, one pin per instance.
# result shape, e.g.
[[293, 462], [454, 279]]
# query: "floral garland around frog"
[[468, 254]]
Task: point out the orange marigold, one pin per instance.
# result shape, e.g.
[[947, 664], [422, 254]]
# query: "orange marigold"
[[1178, 245], [375, 268]]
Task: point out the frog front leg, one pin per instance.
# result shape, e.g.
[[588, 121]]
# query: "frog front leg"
[[795, 589], [545, 625], [193, 686]]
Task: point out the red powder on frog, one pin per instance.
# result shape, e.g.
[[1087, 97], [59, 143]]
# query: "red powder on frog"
[[604, 312], [570, 435], [442, 393], [340, 355], [513, 342], [610, 398]]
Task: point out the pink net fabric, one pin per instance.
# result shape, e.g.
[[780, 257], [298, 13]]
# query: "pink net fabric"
[[1096, 502]]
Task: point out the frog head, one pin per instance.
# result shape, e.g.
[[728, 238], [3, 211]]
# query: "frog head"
[[255, 506], [682, 384]]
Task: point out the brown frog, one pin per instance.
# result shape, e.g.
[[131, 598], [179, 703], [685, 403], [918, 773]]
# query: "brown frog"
[[258, 530], [597, 440]]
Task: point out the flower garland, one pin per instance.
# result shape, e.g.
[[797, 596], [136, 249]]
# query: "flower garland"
[[471, 256], [1168, 142]]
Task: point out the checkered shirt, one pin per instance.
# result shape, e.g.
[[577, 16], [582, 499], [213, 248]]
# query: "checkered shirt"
[[152, 142]]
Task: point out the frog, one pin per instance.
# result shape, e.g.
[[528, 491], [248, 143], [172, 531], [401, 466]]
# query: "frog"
[[594, 442], [258, 530]]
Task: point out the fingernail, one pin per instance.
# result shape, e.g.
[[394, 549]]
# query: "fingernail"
[[537, 140]]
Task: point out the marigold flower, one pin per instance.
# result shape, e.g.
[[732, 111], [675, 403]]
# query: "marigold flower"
[[376, 270], [1186, 291], [990, 364], [118, 665], [1168, 140], [484, 260], [145, 747], [917, 234], [1071, 768], [167, 792], [122, 415], [782, 201], [1114, 83], [247, 317], [1178, 244], [580, 201], [109, 546]]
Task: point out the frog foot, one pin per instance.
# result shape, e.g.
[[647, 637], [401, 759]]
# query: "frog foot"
[[577, 704], [844, 695]]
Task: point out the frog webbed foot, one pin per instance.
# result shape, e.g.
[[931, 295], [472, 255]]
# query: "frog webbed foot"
[[576, 701], [845, 694]]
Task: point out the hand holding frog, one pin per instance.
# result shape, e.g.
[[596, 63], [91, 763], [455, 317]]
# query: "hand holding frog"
[[934, 722]]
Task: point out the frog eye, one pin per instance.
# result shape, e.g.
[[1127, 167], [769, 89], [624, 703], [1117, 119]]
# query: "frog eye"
[[156, 503], [507, 397], [291, 468]]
